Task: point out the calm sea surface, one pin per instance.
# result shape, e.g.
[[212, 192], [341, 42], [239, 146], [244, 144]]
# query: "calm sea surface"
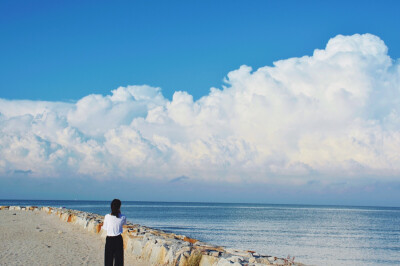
[[316, 235]]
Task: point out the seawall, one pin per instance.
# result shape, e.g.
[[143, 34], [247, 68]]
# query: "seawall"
[[157, 247]]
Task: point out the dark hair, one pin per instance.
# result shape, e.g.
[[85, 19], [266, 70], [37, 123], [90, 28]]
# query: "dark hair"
[[115, 206]]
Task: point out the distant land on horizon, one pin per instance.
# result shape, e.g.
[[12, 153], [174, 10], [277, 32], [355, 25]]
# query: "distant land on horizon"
[[202, 202]]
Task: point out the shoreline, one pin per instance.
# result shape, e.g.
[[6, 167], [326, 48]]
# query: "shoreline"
[[156, 247]]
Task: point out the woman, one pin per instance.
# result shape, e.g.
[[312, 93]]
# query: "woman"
[[113, 225]]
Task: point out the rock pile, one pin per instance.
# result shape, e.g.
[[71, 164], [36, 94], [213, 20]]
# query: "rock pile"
[[157, 247]]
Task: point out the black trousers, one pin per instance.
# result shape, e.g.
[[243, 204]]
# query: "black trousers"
[[114, 251]]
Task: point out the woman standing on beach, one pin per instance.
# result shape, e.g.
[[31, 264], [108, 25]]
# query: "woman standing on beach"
[[113, 223]]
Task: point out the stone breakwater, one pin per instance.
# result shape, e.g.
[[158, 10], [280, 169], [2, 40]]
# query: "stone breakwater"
[[157, 247]]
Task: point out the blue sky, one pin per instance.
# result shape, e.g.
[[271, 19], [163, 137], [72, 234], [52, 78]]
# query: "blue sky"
[[65, 50], [229, 101]]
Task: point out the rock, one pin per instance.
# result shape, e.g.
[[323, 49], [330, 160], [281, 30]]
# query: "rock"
[[236, 259], [224, 262], [214, 253], [137, 247], [279, 262], [190, 240], [240, 253], [208, 260], [158, 255], [156, 247], [186, 249], [263, 261], [183, 261]]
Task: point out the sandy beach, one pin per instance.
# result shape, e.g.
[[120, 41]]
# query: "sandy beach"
[[36, 238], [59, 236]]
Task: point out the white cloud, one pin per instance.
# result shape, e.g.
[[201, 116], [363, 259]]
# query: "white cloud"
[[94, 114], [335, 113]]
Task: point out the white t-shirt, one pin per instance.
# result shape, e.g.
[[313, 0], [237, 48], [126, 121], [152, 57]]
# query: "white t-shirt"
[[113, 225]]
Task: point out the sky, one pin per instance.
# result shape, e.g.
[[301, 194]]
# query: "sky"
[[291, 102]]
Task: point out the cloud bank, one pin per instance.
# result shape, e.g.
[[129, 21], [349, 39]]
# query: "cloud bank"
[[333, 115]]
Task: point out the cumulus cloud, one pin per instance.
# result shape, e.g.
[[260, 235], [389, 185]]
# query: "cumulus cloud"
[[331, 115]]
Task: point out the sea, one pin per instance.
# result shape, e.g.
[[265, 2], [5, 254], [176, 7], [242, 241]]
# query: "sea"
[[313, 234]]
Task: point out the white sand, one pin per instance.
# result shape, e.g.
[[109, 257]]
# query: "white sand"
[[36, 238]]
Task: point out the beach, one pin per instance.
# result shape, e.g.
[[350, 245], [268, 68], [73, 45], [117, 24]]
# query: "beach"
[[36, 238], [165, 233], [58, 236]]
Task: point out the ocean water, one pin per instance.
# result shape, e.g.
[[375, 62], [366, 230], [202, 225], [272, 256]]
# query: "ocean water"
[[315, 235]]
